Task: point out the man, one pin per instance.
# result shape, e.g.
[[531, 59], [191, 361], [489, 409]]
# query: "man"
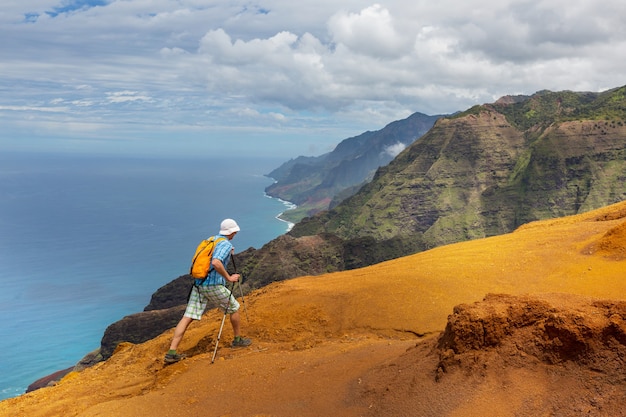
[[214, 290]]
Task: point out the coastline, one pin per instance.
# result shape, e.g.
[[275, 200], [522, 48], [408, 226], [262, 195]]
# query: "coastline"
[[290, 206]]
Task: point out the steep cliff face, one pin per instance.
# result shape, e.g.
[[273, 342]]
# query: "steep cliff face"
[[435, 187], [572, 167], [488, 170], [313, 182]]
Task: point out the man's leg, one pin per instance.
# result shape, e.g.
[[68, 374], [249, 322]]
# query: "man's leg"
[[195, 308], [235, 322], [179, 332], [238, 341], [227, 302]]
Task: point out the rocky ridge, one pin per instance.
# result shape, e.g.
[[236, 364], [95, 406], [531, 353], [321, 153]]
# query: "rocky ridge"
[[319, 183]]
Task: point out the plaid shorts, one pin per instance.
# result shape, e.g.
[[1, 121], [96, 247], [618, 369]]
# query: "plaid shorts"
[[216, 294]]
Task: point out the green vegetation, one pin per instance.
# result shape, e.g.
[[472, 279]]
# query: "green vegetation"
[[475, 110], [469, 177], [546, 107], [318, 183]]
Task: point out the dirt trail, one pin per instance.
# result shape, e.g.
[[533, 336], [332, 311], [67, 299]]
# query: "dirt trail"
[[364, 342]]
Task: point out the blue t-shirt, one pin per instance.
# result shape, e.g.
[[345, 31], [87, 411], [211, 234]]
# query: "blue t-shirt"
[[222, 252]]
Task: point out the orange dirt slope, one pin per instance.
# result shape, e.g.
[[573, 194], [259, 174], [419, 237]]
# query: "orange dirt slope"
[[315, 338]]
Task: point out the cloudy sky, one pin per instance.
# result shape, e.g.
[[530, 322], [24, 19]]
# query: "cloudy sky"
[[281, 77]]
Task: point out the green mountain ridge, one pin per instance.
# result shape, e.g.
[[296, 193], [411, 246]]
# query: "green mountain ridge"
[[475, 174], [317, 183]]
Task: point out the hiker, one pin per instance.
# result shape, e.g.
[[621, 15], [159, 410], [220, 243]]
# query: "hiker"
[[212, 289]]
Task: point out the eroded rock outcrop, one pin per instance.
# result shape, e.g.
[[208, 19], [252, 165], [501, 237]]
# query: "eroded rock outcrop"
[[553, 329], [551, 354]]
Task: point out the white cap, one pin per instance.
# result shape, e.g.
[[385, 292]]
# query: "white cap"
[[228, 226]]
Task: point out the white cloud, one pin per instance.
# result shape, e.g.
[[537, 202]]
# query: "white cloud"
[[126, 96], [316, 69], [394, 150], [278, 116], [369, 32], [31, 108], [222, 49]]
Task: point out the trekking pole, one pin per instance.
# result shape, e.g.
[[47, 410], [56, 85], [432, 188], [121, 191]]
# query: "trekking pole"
[[243, 300], [219, 335]]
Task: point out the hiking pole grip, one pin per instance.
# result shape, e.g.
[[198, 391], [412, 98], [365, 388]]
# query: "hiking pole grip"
[[234, 263]]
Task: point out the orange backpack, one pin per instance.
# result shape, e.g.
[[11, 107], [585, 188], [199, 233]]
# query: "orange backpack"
[[201, 263]]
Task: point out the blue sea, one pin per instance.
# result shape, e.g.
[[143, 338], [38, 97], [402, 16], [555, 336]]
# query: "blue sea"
[[86, 240]]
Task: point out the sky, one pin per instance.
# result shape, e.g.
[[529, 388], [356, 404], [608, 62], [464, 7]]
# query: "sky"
[[280, 78]]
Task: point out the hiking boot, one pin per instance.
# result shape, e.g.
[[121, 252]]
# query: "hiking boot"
[[173, 357], [241, 342]]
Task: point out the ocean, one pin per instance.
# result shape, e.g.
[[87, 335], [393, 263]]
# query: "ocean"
[[86, 240]]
